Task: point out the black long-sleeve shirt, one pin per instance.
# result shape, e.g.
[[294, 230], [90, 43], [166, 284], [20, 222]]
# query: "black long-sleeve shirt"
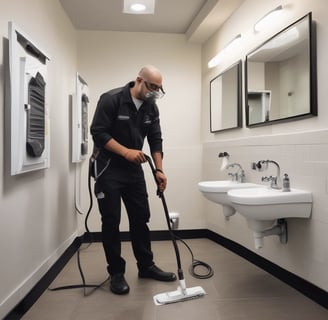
[[117, 117]]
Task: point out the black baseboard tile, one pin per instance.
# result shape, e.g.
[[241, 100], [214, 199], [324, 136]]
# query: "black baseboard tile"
[[42, 285], [310, 290], [157, 235]]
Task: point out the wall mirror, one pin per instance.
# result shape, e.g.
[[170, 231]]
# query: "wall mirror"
[[280, 76], [225, 99]]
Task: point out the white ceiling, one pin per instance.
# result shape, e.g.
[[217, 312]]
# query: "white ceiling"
[[197, 19]]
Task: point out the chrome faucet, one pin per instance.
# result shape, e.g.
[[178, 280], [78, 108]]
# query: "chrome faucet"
[[239, 175], [263, 165]]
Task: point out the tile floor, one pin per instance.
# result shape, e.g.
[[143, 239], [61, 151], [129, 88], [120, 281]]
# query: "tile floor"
[[237, 291]]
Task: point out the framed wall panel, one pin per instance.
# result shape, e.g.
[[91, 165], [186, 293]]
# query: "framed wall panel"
[[80, 125], [27, 104]]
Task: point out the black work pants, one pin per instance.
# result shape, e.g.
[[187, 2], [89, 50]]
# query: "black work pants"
[[133, 193]]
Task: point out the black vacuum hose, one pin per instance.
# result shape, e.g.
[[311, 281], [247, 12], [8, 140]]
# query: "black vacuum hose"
[[195, 263]]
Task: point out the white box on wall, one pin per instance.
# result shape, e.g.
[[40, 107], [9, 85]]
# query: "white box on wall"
[[28, 125], [80, 126]]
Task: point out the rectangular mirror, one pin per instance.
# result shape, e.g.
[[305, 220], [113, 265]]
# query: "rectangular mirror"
[[280, 76], [225, 99]]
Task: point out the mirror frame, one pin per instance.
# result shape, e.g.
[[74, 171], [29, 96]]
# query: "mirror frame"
[[238, 66], [313, 108]]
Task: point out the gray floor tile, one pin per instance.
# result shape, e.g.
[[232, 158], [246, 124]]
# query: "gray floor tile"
[[237, 291]]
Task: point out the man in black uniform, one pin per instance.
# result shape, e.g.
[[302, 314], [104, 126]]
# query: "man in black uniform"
[[124, 117]]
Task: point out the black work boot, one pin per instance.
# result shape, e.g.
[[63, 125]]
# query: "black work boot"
[[156, 273], [118, 284]]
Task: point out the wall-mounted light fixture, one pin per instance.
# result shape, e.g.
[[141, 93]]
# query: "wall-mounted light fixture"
[[286, 38], [267, 19], [228, 48], [139, 6]]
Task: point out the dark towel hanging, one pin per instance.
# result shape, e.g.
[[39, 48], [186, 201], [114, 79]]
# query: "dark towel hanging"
[[35, 135]]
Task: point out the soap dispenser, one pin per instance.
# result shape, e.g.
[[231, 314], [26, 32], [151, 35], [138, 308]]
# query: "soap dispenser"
[[225, 159], [286, 183]]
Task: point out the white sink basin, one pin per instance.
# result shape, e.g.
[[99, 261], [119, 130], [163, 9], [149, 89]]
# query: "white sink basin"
[[266, 209], [270, 204], [216, 191]]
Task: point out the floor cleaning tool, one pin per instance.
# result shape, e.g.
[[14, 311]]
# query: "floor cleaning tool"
[[182, 293]]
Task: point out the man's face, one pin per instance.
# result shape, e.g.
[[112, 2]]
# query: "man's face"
[[150, 90]]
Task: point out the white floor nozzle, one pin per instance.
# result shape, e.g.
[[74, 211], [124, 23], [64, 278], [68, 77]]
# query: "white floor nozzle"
[[178, 295]]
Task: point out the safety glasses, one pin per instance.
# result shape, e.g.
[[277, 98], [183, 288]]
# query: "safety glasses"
[[155, 88]]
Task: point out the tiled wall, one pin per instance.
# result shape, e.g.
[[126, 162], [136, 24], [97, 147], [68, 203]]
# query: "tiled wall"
[[304, 156]]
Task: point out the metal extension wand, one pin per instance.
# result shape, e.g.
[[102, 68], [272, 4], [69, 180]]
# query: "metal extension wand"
[[182, 293]]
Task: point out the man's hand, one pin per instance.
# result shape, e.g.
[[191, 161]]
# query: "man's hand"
[[132, 155], [161, 181], [136, 156]]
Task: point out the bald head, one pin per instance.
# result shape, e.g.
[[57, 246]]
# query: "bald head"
[[151, 74], [148, 82]]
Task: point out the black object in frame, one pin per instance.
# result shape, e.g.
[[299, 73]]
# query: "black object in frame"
[[35, 131], [84, 133]]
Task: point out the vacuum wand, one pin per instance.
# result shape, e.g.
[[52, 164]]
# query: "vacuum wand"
[[182, 293], [167, 216]]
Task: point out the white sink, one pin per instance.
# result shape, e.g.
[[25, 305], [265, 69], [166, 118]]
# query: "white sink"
[[216, 191], [270, 204], [266, 209]]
